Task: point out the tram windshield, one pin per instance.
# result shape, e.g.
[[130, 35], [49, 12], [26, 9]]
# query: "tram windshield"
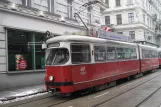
[[57, 57]]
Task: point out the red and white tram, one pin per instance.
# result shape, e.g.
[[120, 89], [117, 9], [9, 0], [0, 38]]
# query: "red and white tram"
[[79, 62]]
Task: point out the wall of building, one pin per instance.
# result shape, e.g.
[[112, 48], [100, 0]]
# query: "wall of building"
[[9, 81], [146, 25], [3, 53], [29, 20], [61, 7]]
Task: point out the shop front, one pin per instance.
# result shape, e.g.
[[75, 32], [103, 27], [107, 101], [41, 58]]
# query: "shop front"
[[24, 51]]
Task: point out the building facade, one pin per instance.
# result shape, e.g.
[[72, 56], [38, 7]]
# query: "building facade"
[[139, 19], [23, 24]]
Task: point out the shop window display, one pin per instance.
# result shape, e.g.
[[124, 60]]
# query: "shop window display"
[[24, 52]]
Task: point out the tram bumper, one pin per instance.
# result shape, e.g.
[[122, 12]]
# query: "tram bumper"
[[63, 87]]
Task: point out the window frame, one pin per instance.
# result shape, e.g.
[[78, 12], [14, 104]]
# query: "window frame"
[[107, 20], [132, 33], [130, 2], [52, 60], [115, 59], [101, 52], [131, 17], [107, 3], [89, 53], [119, 19], [117, 3], [51, 6]]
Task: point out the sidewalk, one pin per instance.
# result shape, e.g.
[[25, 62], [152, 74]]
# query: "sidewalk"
[[20, 92]]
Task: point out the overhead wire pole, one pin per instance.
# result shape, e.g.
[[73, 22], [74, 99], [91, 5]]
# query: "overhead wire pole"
[[85, 5]]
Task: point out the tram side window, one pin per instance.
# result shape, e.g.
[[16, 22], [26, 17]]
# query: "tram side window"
[[156, 54], [159, 54], [99, 53], [145, 53], [120, 53], [111, 53], [127, 52], [151, 54], [80, 53], [133, 53]]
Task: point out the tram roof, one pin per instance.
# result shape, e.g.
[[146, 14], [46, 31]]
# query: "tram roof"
[[79, 38], [147, 46]]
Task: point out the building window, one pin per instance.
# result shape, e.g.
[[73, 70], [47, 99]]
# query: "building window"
[[24, 50], [26, 3], [51, 5], [107, 3], [129, 2], [144, 18], [120, 32], [107, 20], [132, 34], [131, 17], [118, 3], [70, 9], [148, 21], [119, 19]]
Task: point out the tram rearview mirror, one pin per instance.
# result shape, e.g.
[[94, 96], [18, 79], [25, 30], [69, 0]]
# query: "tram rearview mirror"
[[44, 46]]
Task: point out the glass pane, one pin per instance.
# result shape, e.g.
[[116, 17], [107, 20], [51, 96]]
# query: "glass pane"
[[20, 52], [120, 53], [127, 53], [57, 57], [80, 53], [111, 53], [99, 53], [39, 52]]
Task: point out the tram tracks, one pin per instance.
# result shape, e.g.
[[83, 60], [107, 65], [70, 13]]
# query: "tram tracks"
[[40, 101], [148, 97], [57, 100], [105, 101]]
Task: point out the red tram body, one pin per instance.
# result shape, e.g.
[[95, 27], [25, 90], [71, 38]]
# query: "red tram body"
[[80, 62]]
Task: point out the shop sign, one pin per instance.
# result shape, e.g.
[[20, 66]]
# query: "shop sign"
[[113, 36]]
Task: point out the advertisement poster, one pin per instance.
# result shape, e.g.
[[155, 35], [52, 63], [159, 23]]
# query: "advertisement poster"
[[21, 63]]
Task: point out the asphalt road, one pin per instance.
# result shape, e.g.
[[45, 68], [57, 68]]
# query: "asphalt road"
[[141, 92]]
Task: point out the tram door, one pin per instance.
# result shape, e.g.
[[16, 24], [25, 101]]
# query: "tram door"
[[80, 57]]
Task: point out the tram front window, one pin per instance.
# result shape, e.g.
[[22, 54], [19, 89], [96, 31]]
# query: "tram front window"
[[57, 57]]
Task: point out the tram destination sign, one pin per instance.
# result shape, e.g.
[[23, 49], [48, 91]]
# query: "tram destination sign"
[[113, 36]]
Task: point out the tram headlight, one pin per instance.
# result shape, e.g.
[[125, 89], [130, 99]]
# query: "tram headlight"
[[51, 78]]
